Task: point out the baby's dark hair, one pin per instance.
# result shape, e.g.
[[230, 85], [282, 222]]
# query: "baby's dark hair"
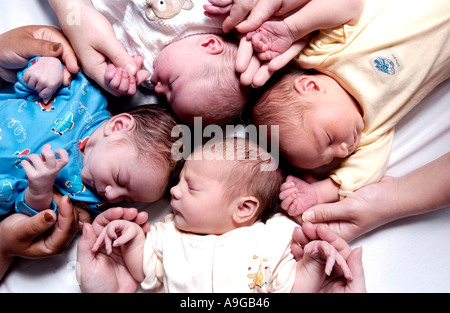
[[152, 135], [277, 100]]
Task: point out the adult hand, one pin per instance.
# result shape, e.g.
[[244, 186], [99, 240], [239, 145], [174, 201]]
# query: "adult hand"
[[337, 282], [232, 11], [421, 191], [340, 284], [37, 236], [360, 212], [98, 271], [95, 42], [255, 72], [21, 44], [248, 15]]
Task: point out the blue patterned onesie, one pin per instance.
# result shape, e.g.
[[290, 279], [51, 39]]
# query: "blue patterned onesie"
[[27, 124]]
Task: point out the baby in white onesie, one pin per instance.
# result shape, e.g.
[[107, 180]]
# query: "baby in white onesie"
[[223, 234], [188, 59]]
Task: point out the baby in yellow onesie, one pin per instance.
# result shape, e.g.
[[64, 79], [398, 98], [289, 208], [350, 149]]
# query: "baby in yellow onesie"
[[365, 78], [223, 235]]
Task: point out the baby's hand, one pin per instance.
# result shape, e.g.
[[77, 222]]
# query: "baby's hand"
[[119, 79], [323, 253], [272, 39], [121, 231], [297, 196], [41, 173], [45, 76]]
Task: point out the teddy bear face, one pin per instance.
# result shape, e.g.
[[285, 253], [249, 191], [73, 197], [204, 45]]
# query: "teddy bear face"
[[166, 9]]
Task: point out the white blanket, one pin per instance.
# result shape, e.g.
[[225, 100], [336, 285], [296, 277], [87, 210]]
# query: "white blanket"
[[408, 255]]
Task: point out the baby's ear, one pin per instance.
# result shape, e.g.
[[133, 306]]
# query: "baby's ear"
[[123, 122], [307, 84], [212, 43], [246, 210]]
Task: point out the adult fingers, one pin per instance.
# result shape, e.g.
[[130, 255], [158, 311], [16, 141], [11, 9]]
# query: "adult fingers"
[[66, 226], [85, 255], [105, 217], [283, 59], [310, 232], [261, 12], [49, 41], [325, 233], [36, 225], [244, 55], [327, 212], [354, 261], [262, 75], [117, 54], [237, 14]]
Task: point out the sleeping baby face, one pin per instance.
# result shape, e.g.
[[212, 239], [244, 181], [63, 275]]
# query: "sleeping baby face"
[[198, 201], [112, 166], [330, 128], [177, 76]]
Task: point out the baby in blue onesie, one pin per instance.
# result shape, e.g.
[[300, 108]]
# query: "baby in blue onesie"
[[98, 159]]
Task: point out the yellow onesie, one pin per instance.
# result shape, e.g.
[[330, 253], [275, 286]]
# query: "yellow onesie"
[[397, 54]]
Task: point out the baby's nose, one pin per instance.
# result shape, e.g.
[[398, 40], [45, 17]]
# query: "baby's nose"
[[175, 192], [161, 89], [112, 195], [341, 150]]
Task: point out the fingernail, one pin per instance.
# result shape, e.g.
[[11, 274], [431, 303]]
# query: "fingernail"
[[48, 217], [308, 216], [360, 253], [56, 46], [130, 68]]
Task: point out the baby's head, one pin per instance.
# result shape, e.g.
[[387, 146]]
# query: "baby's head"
[[226, 185], [198, 77], [129, 157], [318, 120]]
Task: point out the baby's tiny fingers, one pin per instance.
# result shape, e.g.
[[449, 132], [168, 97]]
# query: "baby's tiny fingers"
[[99, 241], [48, 156], [287, 192], [111, 70], [117, 79], [340, 260], [63, 158], [287, 185], [36, 161], [28, 168]]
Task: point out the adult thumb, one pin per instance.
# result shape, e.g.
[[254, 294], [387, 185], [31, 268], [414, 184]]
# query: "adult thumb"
[[117, 54], [354, 261], [38, 224], [40, 47], [323, 213], [86, 242], [85, 256]]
